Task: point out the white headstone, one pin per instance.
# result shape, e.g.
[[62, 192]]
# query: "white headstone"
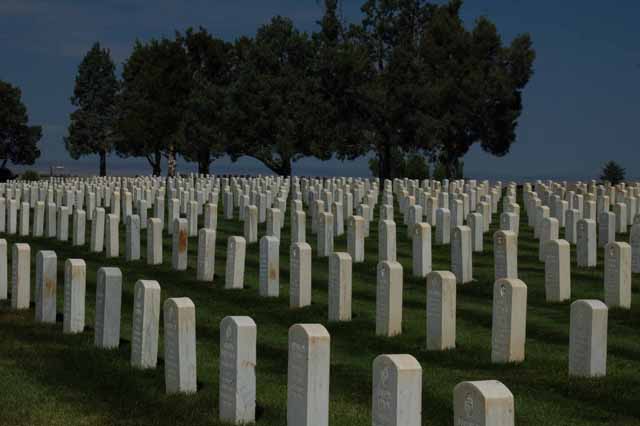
[[206, 254], [340, 270], [146, 324], [180, 373], [397, 391], [308, 375], [617, 275], [20, 276], [108, 303], [269, 266], [389, 299], [180, 245], [234, 271], [483, 403], [441, 310], [300, 273], [46, 286], [588, 339], [557, 267], [509, 321], [237, 376], [75, 282]]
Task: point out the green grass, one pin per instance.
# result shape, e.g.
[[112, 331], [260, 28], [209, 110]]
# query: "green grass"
[[47, 378]]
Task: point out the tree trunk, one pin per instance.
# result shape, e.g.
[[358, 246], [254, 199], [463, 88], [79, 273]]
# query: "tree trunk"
[[204, 161], [384, 161], [171, 161], [103, 163], [284, 168], [156, 164]]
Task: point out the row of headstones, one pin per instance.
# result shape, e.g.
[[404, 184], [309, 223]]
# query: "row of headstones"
[[394, 376], [509, 306]]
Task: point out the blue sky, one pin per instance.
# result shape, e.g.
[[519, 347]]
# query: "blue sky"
[[581, 107]]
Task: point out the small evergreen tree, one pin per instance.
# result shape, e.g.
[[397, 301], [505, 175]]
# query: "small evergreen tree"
[[92, 123], [612, 172]]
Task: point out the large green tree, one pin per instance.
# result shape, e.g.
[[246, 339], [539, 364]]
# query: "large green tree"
[[471, 85], [429, 84], [276, 112], [91, 130], [210, 66], [155, 88], [18, 140]]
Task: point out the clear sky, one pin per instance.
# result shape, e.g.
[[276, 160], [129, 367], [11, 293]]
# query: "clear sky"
[[581, 108]]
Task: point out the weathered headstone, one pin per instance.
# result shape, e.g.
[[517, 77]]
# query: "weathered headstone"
[[46, 286], [75, 283], [461, 261], [269, 266], [251, 224], [617, 275], [586, 244], [421, 250], [549, 230], [588, 339], [389, 299], [154, 242], [505, 254], [180, 369], [476, 223], [387, 241], [325, 234], [132, 238], [441, 310], [206, 254], [108, 304], [97, 231], [20, 276], [483, 403], [234, 271], [443, 226], [300, 273], [340, 270], [308, 375], [112, 236], [509, 321], [355, 238], [606, 228], [180, 245], [237, 376], [397, 391], [557, 271], [146, 324]]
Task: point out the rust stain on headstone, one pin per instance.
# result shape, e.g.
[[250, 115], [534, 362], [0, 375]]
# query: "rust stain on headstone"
[[50, 286], [182, 240]]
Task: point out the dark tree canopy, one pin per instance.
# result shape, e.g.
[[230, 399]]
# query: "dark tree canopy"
[[18, 140], [211, 66], [613, 172], [155, 88], [276, 111], [429, 84], [91, 130]]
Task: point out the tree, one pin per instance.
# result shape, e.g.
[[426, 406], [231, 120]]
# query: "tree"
[[155, 88], [429, 84], [275, 107], [210, 63], [91, 130], [612, 172], [471, 85], [18, 140]]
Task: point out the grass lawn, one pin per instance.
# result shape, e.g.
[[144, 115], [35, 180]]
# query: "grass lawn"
[[47, 378]]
